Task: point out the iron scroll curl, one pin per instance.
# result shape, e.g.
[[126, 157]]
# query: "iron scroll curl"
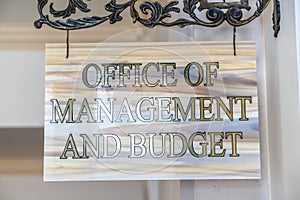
[[150, 13]]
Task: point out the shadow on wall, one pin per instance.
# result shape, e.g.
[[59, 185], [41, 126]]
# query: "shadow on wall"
[[21, 173]]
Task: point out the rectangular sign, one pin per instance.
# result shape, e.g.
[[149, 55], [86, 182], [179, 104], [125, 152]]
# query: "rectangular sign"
[[151, 111]]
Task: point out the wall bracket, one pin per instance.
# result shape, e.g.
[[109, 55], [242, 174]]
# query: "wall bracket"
[[153, 13]]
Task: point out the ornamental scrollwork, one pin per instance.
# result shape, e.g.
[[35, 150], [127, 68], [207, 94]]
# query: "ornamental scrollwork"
[[151, 13], [71, 9]]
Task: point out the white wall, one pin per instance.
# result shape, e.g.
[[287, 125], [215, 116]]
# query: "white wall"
[[283, 104]]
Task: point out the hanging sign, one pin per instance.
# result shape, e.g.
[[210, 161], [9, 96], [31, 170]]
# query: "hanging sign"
[[151, 111]]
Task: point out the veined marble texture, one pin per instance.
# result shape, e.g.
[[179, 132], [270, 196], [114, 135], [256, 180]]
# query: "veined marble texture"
[[137, 128]]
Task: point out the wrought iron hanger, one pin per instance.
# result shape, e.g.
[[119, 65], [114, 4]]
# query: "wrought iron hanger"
[[158, 14]]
